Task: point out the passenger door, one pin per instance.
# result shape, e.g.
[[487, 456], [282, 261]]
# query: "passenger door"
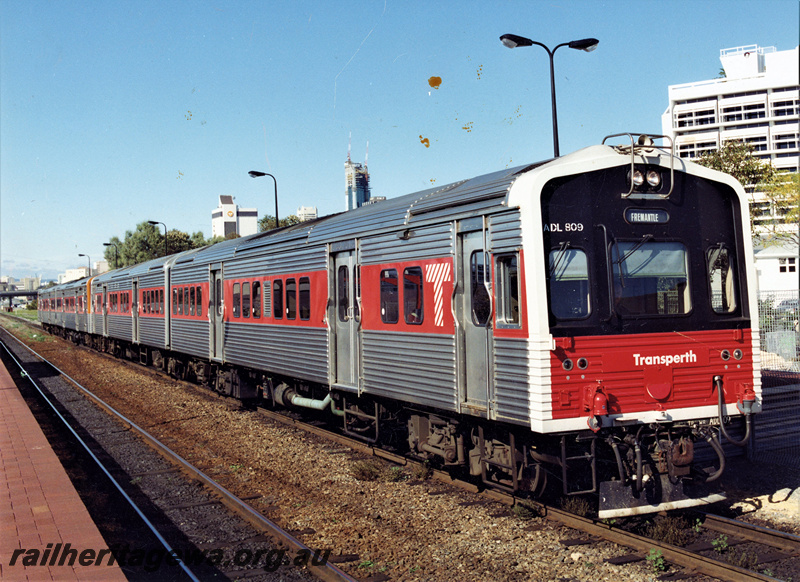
[[135, 311], [345, 318], [474, 313], [216, 313]]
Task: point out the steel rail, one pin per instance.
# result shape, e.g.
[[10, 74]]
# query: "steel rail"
[[99, 463], [689, 560], [756, 533], [685, 558], [327, 572]]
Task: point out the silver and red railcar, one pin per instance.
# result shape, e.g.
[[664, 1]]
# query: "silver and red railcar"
[[589, 318]]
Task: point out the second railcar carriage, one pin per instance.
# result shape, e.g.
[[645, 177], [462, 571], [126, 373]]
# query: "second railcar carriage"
[[587, 318]]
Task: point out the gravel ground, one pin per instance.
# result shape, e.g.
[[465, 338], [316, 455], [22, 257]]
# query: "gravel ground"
[[408, 529]]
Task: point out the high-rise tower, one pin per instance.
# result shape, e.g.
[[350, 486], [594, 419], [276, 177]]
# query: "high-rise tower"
[[356, 176]]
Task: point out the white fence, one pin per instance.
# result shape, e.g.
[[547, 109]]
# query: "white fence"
[[779, 322]]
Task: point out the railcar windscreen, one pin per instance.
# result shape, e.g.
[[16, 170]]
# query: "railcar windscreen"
[[569, 284], [651, 278]]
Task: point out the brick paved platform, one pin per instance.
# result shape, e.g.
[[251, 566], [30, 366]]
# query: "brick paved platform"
[[40, 511]]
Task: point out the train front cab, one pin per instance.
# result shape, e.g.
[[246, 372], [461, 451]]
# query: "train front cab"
[[649, 311]]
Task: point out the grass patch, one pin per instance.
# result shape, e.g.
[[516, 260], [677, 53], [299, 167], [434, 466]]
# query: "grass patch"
[[21, 329], [422, 472], [673, 530], [577, 506], [524, 511], [366, 470]]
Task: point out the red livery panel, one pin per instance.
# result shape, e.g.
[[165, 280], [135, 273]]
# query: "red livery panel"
[[658, 371]]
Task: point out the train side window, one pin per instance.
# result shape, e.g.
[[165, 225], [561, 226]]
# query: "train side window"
[[186, 301], [175, 301], [198, 297], [237, 300], [342, 292], [569, 284], [161, 301], [180, 300], [413, 307], [291, 299], [481, 305], [507, 291], [246, 299], [191, 300], [721, 278], [256, 299], [304, 298], [277, 298], [651, 278], [390, 310]]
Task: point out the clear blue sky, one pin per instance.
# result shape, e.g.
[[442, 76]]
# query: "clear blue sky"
[[112, 113]]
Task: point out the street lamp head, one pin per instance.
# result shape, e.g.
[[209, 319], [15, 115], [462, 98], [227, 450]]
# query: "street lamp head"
[[514, 41], [255, 174], [153, 222], [585, 44], [82, 255]]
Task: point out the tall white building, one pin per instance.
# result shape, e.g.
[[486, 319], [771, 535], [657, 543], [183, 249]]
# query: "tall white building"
[[228, 218], [756, 102]]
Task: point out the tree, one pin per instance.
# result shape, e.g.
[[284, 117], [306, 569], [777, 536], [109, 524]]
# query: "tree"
[[267, 222], [783, 195], [146, 243], [755, 175], [736, 158]]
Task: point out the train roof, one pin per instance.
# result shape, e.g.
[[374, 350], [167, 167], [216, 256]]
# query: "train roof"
[[452, 201]]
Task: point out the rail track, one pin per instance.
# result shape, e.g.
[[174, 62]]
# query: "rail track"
[[778, 545], [317, 565], [781, 545]]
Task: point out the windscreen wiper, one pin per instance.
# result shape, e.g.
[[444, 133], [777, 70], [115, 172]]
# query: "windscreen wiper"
[[562, 250], [635, 248]]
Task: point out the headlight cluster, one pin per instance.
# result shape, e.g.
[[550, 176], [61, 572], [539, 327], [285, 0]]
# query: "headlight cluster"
[[645, 179], [726, 354]]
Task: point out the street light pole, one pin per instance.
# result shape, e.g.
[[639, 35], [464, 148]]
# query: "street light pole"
[[255, 174], [166, 248], [116, 254], [88, 261], [586, 44]]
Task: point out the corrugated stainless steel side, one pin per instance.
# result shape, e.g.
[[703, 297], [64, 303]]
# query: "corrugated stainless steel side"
[[291, 259], [511, 380], [189, 336], [188, 273], [69, 320], [152, 279], [120, 327], [299, 352], [423, 243], [418, 368], [505, 231], [151, 331]]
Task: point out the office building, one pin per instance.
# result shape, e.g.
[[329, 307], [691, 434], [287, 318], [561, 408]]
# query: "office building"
[[307, 213], [357, 190], [756, 102], [228, 219]]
